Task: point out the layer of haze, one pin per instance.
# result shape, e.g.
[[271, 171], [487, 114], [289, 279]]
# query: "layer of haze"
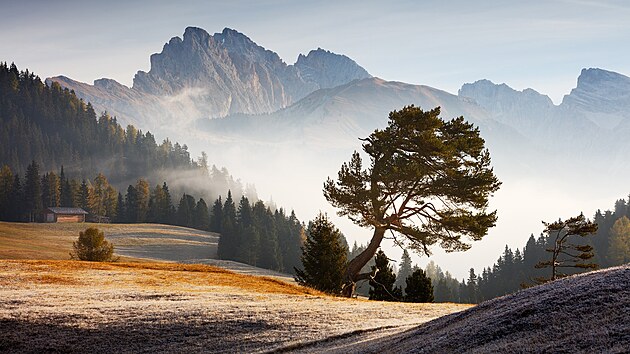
[[537, 44]]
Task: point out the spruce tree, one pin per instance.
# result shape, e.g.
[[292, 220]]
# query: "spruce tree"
[[201, 217], [418, 287], [84, 196], [131, 201], [472, 289], [228, 242], [323, 258], [33, 192], [405, 269], [6, 189], [16, 201], [216, 217], [269, 252], [186, 210], [247, 233], [382, 282]]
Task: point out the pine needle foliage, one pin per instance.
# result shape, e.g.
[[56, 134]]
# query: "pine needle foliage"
[[92, 246], [566, 253], [419, 287], [324, 257]]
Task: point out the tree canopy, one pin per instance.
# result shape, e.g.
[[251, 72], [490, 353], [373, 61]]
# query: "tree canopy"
[[428, 181]]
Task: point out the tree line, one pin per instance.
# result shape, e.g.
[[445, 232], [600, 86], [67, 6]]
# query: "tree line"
[[254, 234], [251, 233], [516, 269], [53, 127]]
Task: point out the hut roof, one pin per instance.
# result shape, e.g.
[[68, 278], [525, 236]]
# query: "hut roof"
[[67, 211]]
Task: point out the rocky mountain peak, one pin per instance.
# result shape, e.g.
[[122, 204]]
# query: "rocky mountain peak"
[[600, 90], [499, 98], [327, 69], [221, 74]]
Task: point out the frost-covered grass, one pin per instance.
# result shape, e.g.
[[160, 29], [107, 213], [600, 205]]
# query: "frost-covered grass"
[[588, 313], [69, 306]]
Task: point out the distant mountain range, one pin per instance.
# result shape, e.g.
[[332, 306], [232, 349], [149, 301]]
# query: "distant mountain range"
[[216, 89], [209, 76]]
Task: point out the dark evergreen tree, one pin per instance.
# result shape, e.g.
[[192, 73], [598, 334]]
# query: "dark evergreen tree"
[[472, 288], [228, 241], [404, 270], [6, 189], [269, 255], [216, 217], [247, 251], [418, 287], [131, 201], [186, 211], [33, 192], [323, 257], [201, 216], [382, 281], [121, 212], [17, 201], [84, 196], [66, 193]]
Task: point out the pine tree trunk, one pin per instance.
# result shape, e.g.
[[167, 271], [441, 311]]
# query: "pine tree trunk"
[[354, 267]]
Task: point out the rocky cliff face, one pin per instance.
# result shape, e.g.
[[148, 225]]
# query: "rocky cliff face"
[[600, 91], [527, 111], [327, 70], [203, 75]]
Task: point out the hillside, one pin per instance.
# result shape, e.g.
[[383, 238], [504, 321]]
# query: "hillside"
[[587, 313], [132, 242], [69, 306]]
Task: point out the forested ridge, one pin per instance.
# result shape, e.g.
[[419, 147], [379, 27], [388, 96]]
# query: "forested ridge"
[[53, 127], [55, 152]]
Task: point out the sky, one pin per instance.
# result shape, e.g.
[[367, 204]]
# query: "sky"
[[526, 44]]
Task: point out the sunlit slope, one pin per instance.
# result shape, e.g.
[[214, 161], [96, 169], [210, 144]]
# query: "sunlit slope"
[[133, 241]]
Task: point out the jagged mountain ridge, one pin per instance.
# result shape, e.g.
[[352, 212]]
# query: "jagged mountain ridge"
[[203, 75], [515, 123]]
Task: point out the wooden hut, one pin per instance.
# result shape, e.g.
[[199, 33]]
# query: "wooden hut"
[[62, 214]]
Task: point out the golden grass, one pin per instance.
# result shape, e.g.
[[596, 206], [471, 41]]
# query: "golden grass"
[[171, 276], [54, 241]]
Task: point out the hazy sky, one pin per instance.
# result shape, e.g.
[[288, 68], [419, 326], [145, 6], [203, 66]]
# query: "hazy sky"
[[538, 44]]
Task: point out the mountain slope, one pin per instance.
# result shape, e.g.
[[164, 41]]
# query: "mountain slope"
[[335, 118]]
